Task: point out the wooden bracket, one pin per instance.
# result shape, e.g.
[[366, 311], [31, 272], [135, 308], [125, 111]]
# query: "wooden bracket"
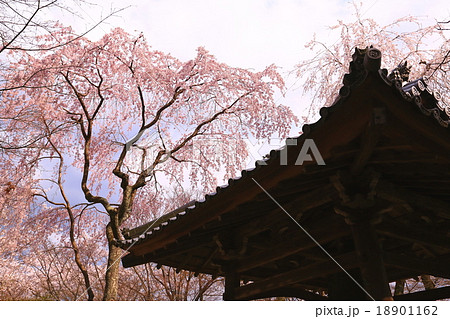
[[358, 196], [231, 245]]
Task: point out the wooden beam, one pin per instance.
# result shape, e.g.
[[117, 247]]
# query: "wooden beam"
[[181, 265], [207, 261], [193, 220], [188, 242], [369, 140], [396, 194], [419, 157], [140, 230], [426, 295], [314, 254], [316, 284], [341, 287], [436, 267], [311, 271], [295, 244], [289, 292], [422, 130], [413, 235], [371, 260], [131, 260], [185, 246], [232, 282], [297, 207], [244, 190], [265, 222]]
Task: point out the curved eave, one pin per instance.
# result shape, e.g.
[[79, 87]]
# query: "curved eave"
[[415, 97]]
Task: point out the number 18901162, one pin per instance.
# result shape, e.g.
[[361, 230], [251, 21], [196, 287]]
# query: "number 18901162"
[[407, 310]]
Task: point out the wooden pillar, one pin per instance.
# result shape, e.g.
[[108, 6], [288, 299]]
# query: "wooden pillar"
[[370, 258], [232, 281], [361, 208], [342, 288]]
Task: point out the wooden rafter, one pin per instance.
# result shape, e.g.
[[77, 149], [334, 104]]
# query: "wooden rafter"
[[413, 235], [369, 140], [311, 271], [289, 292], [435, 267], [283, 249], [296, 208], [396, 194]]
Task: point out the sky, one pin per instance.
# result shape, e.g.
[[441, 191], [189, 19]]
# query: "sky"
[[250, 34]]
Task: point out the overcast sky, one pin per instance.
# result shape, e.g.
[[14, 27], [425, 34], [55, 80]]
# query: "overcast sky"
[[248, 33]]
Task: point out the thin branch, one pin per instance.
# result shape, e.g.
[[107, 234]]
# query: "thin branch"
[[68, 208], [117, 170], [159, 157], [25, 25], [71, 40], [87, 135]]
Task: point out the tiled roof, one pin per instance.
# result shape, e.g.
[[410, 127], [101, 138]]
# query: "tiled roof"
[[417, 92]]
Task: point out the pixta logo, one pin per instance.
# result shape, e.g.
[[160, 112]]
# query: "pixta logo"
[[308, 152], [257, 148], [308, 148]]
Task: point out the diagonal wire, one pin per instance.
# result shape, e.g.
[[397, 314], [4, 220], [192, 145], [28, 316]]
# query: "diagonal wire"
[[314, 240]]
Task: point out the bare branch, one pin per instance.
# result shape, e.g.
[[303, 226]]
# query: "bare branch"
[[69, 41], [38, 8], [159, 157], [87, 135]]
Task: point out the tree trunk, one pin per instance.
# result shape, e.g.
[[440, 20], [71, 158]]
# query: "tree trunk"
[[399, 287], [427, 282], [112, 272]]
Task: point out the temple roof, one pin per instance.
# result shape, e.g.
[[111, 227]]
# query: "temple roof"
[[386, 144]]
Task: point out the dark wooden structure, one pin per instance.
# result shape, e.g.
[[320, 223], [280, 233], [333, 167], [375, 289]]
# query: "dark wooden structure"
[[380, 206]]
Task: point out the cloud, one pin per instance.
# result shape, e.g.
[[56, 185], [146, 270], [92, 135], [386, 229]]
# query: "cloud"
[[251, 34]]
